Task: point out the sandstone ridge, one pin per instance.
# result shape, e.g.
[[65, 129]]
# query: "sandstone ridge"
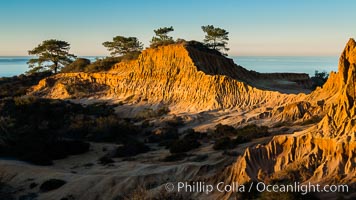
[[183, 76], [325, 153]]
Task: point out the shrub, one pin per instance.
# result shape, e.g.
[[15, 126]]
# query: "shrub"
[[184, 145], [162, 38], [163, 133], [131, 56], [224, 143], [106, 160], [190, 134], [103, 64], [319, 79], [42, 151], [131, 149], [162, 111], [241, 139], [51, 184], [62, 148], [175, 121], [109, 128], [161, 43], [242, 135], [43, 130], [79, 65], [252, 131], [224, 130], [18, 85], [281, 124]]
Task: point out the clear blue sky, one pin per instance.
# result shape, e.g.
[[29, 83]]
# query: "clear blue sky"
[[303, 27]]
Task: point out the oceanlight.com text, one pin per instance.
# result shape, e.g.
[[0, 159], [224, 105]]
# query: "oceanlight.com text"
[[202, 187]]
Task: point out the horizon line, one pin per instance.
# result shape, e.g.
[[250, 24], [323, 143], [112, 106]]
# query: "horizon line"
[[232, 55]]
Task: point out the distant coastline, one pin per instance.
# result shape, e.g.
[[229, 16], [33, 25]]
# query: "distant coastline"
[[16, 65], [290, 64]]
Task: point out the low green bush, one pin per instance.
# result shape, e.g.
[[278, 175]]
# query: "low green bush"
[[41, 130], [245, 133], [184, 145], [19, 85], [105, 64], [132, 148], [224, 143], [102, 64], [79, 65]]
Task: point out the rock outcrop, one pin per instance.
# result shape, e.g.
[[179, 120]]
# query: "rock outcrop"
[[182, 76], [324, 153]]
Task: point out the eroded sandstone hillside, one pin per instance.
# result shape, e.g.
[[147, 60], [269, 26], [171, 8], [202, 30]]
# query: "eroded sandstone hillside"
[[324, 153], [183, 76], [189, 80]]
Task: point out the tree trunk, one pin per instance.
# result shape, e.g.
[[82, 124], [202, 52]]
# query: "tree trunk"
[[55, 67]]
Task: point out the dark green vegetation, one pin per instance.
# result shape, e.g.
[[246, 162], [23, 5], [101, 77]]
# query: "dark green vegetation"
[[79, 65], [41, 130], [121, 49], [162, 37], [101, 64], [51, 184], [52, 55], [131, 148], [187, 143], [123, 45], [228, 137], [32, 130], [224, 143], [216, 38], [178, 147], [319, 79], [18, 85]]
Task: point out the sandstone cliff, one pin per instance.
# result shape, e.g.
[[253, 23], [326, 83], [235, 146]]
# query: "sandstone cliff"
[[325, 153], [183, 76]]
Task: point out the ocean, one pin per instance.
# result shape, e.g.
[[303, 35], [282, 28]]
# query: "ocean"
[[294, 64], [15, 65]]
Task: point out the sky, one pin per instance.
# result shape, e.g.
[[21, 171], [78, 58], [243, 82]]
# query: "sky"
[[274, 27]]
